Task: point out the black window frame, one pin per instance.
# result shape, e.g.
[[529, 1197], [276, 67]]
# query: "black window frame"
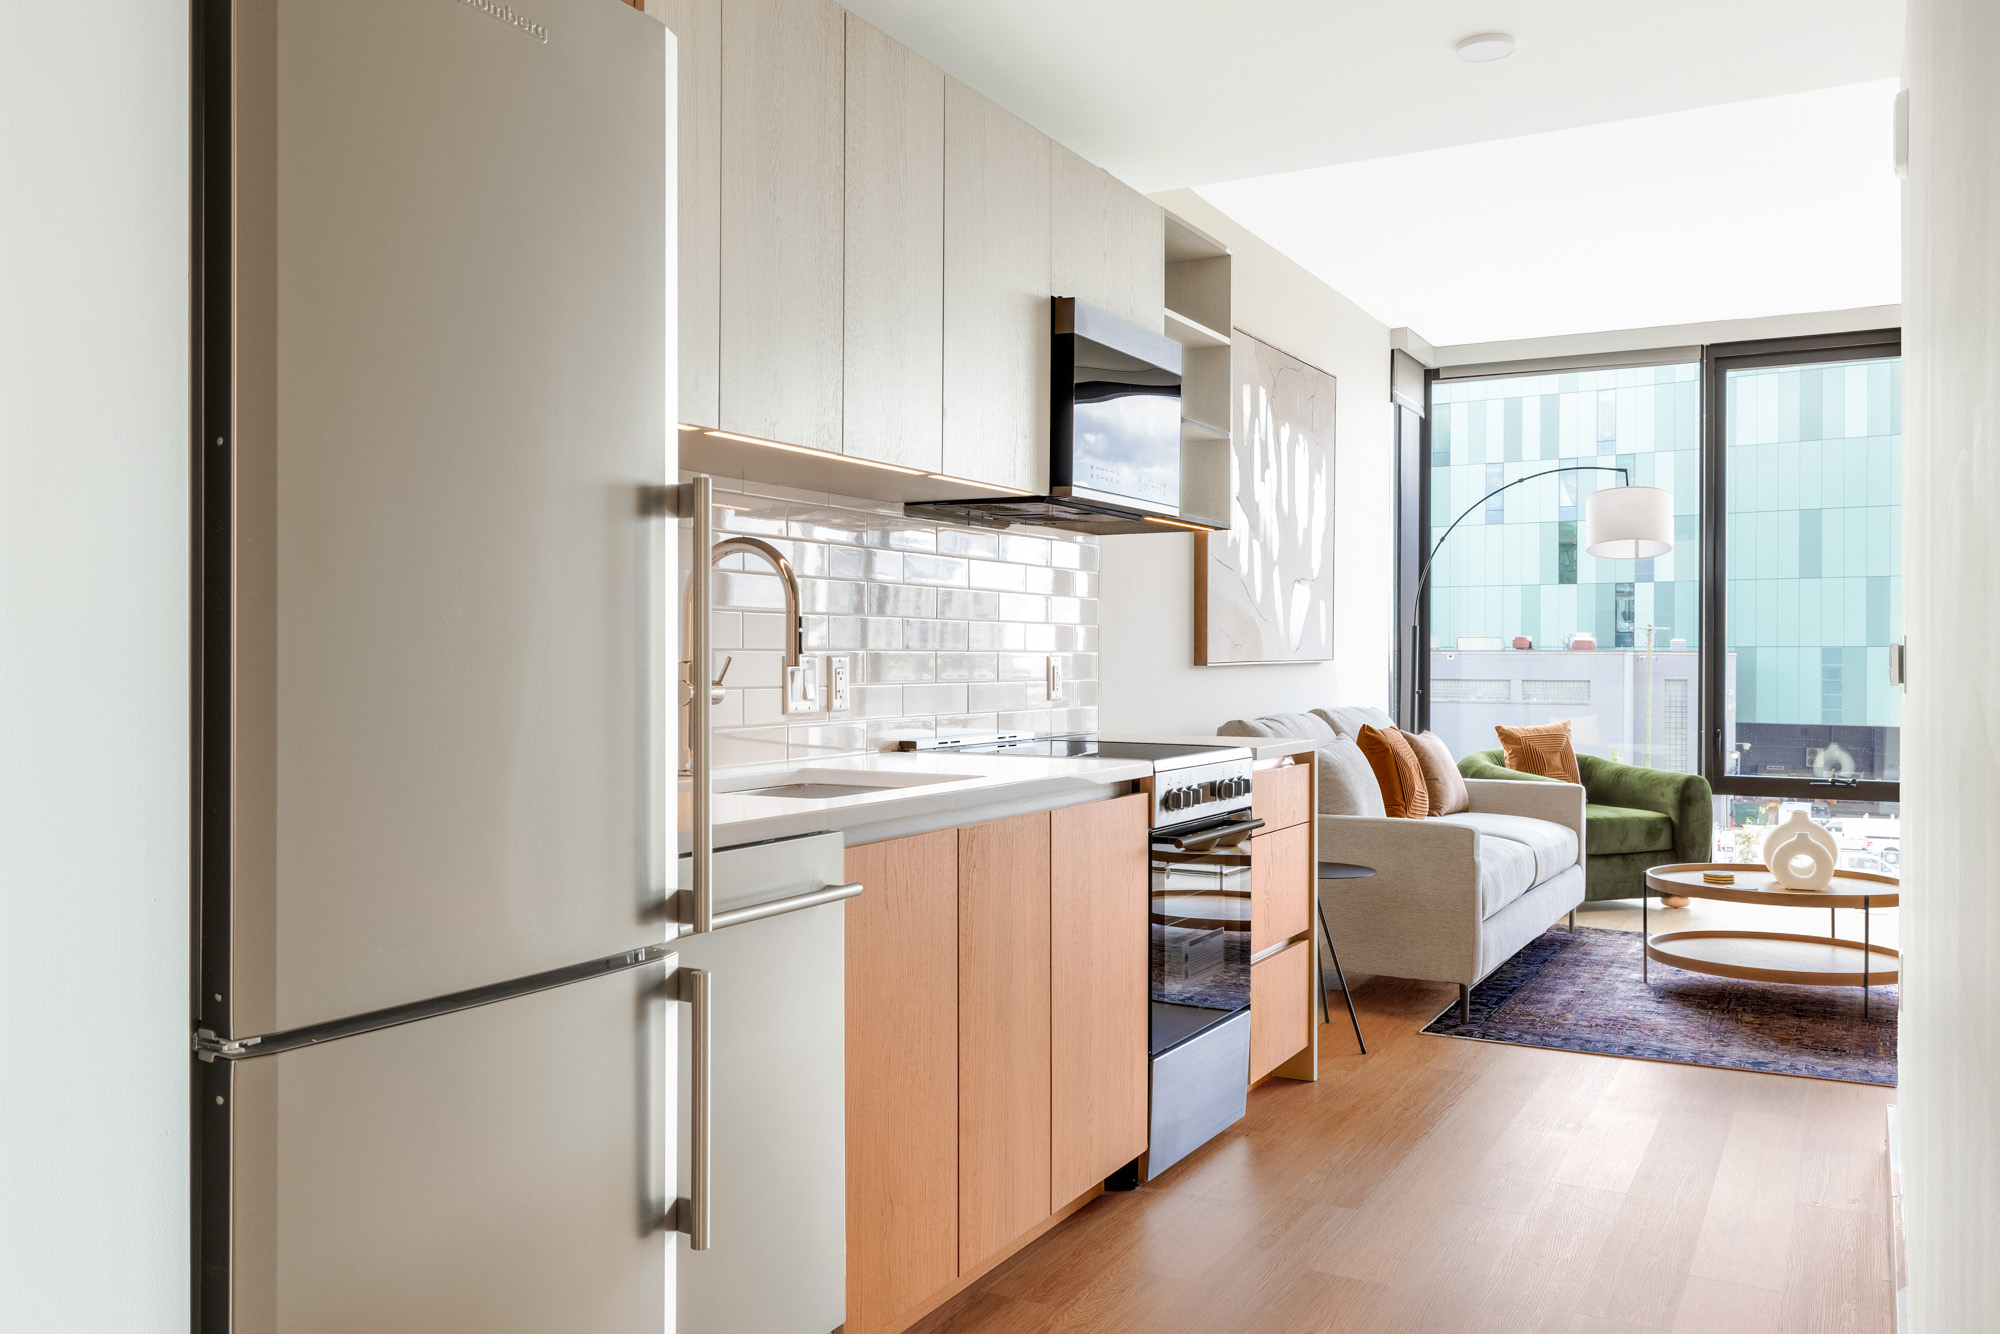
[[1717, 360], [1413, 659]]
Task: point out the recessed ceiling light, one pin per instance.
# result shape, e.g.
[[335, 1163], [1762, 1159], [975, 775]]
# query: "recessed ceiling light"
[[1486, 46]]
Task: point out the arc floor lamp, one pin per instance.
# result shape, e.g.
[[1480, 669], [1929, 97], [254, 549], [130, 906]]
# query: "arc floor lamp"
[[1623, 522]]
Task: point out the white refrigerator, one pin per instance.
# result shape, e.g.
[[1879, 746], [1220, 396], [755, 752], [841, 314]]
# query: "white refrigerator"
[[450, 1069]]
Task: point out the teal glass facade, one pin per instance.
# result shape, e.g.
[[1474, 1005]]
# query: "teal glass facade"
[[1516, 566]]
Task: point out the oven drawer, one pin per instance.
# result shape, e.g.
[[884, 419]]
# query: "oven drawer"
[[1281, 797]]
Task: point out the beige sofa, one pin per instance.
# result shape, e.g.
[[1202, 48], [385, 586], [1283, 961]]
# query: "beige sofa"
[[1453, 897]]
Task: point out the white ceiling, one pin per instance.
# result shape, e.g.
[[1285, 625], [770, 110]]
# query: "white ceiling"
[[1773, 207], [1169, 93]]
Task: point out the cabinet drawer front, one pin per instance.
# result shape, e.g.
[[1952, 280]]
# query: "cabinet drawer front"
[[1281, 797], [1281, 886], [1280, 1008]]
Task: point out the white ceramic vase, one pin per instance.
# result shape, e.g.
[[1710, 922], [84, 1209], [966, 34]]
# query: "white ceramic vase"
[[1797, 842]]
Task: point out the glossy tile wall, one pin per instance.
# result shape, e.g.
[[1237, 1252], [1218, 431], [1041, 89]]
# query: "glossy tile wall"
[[947, 630]]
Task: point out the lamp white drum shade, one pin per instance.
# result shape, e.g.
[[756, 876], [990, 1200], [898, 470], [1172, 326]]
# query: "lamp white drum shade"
[[1628, 522]]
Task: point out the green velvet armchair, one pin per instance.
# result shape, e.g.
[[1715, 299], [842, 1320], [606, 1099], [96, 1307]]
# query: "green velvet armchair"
[[1633, 819]]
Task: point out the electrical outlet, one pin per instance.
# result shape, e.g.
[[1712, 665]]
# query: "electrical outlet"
[[836, 684], [1055, 678], [802, 687]]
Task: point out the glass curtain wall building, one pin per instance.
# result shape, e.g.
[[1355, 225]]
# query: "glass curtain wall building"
[[1525, 626]]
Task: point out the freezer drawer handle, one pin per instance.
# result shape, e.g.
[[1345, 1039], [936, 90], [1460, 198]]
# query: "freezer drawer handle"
[[757, 912], [691, 1215]]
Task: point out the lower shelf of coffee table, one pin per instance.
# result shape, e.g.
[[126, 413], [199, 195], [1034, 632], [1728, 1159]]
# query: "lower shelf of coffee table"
[[1766, 956]]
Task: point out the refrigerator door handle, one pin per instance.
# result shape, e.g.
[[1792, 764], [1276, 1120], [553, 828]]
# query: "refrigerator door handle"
[[691, 1215], [757, 912], [701, 705]]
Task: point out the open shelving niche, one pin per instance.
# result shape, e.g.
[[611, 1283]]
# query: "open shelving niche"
[[1198, 318]]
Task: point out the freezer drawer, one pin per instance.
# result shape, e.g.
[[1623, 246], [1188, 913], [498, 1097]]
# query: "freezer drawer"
[[500, 1169], [1200, 1089], [777, 1259]]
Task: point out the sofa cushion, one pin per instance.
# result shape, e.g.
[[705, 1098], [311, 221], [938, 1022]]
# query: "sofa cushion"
[[1304, 726], [1551, 846], [1397, 773], [1441, 777], [1349, 722], [1347, 781], [1616, 829], [1506, 872]]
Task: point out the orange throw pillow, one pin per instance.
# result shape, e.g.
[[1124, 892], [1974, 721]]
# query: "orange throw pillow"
[[1448, 792], [1397, 772], [1542, 750]]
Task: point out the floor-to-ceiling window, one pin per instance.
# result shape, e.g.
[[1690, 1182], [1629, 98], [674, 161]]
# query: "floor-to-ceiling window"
[[1807, 564], [1759, 651], [1527, 627]]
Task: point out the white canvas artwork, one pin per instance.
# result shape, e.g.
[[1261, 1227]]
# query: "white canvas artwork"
[[1264, 588]]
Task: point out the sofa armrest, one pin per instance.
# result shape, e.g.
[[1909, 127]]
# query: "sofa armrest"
[[1686, 799], [1558, 803], [1419, 914]]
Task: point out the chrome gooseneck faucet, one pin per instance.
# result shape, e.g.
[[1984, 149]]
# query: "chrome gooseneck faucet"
[[731, 546]]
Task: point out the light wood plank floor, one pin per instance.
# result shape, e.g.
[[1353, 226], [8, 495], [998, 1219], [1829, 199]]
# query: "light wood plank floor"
[[1444, 1185]]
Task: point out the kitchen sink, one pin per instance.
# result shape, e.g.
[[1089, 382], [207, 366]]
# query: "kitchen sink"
[[826, 784]]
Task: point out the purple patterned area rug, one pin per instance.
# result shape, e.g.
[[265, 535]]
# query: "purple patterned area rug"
[[1581, 991]]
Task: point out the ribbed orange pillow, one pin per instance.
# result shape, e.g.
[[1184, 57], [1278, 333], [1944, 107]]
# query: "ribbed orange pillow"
[[1544, 750], [1397, 772], [1447, 789]]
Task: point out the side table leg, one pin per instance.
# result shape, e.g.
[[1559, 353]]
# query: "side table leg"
[[1345, 994], [1866, 957], [1645, 937]]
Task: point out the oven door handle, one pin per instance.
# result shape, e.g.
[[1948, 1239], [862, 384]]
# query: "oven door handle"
[[1203, 839]]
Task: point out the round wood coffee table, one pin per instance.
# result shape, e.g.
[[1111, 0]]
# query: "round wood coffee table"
[[1767, 956]]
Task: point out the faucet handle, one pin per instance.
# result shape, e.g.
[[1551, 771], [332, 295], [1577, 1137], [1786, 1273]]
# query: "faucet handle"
[[715, 690]]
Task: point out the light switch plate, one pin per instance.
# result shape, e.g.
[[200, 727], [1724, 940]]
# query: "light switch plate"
[[836, 684], [802, 687], [1055, 678]]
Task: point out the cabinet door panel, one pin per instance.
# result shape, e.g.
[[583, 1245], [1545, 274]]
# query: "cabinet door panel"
[[893, 394], [902, 1077], [1107, 242], [1281, 883], [996, 294], [1097, 991], [1280, 1008], [1003, 1034], [697, 27], [783, 73], [1281, 797]]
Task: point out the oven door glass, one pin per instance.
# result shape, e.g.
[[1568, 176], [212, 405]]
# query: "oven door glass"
[[1201, 941]]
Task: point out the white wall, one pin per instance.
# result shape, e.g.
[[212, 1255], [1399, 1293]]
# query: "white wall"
[[93, 674], [1950, 1097], [1147, 680]]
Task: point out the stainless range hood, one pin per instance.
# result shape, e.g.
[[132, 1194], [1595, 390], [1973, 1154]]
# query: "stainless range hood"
[[1114, 434]]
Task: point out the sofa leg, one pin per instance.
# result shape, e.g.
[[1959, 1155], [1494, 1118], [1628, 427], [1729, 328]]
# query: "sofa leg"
[[1464, 1004], [1673, 901], [1572, 919]]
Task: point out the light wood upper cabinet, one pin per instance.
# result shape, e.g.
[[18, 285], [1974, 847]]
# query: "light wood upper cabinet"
[[996, 294], [1003, 1034], [1098, 896], [697, 28], [1107, 242], [783, 75], [893, 406], [902, 1078]]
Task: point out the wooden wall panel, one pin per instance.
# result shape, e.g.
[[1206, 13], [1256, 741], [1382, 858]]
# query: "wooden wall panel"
[[902, 1078], [1003, 1033], [1098, 896]]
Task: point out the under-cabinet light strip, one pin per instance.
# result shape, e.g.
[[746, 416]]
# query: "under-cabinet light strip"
[[817, 453], [1176, 523]]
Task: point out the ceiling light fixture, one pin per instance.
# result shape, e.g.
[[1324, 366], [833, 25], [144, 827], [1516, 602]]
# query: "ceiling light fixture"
[[1483, 47]]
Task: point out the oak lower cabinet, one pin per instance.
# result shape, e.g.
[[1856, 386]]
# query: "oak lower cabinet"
[[902, 1078], [1281, 885], [1280, 1009], [996, 1027], [1098, 986]]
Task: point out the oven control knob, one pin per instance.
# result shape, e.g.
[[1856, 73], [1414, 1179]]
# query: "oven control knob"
[[1171, 799], [1239, 787]]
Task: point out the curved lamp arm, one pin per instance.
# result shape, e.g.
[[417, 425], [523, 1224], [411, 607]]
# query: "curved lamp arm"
[[1425, 572]]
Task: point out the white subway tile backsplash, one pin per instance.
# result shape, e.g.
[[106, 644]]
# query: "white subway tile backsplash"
[[949, 629]]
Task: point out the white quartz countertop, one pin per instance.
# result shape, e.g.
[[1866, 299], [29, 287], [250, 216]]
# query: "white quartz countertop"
[[911, 792]]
